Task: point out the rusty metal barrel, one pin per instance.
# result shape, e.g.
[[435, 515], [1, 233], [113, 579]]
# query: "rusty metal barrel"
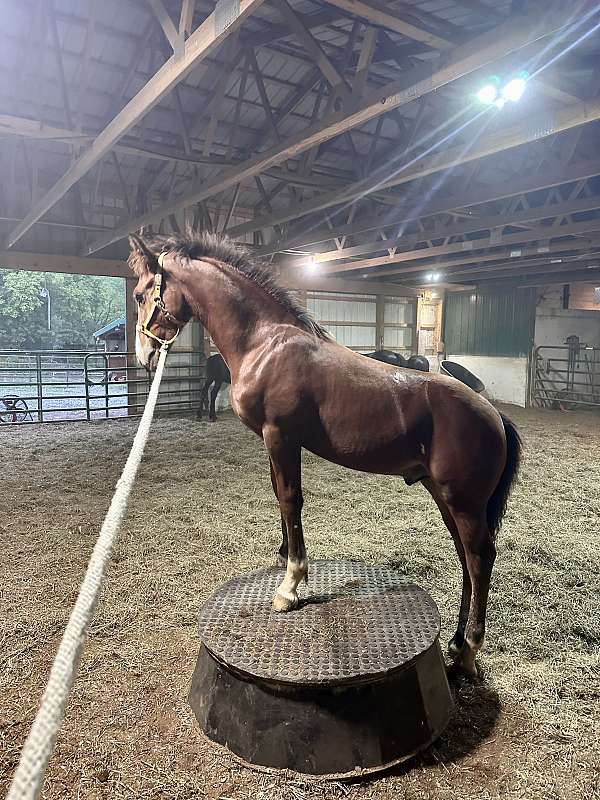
[[351, 683]]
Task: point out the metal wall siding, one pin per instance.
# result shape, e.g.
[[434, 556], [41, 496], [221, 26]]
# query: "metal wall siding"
[[489, 324]]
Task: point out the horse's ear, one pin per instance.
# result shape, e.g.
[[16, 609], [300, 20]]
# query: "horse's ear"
[[143, 257]]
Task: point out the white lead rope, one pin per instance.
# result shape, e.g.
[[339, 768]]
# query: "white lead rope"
[[28, 779]]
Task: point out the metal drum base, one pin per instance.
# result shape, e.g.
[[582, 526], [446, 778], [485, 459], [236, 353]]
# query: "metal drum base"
[[351, 683]]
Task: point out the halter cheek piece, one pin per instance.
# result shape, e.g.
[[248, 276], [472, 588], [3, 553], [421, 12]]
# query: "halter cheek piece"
[[158, 303]]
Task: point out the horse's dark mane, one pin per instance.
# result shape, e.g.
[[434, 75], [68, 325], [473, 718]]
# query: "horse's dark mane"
[[220, 248]]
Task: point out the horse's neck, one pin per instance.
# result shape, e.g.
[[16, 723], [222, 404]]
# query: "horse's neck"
[[232, 308]]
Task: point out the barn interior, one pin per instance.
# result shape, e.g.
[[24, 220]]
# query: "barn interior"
[[424, 175]]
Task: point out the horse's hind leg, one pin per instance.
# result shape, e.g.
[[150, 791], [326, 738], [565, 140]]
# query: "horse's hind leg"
[[204, 396], [212, 414], [480, 554], [456, 643], [282, 554]]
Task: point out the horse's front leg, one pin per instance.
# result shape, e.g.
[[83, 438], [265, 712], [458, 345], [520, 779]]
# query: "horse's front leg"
[[282, 553], [285, 460]]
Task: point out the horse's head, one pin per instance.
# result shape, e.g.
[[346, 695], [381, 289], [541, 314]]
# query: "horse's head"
[[159, 295]]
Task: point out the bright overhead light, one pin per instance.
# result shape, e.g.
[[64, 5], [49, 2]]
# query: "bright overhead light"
[[496, 93], [488, 94], [514, 89], [311, 264]]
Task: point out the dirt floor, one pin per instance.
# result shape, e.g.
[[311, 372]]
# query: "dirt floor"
[[203, 511]]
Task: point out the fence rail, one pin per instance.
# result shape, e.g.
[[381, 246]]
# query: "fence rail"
[[565, 376], [61, 386]]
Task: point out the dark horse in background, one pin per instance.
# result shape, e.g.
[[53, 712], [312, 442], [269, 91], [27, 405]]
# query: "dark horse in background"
[[297, 388], [216, 375], [390, 357]]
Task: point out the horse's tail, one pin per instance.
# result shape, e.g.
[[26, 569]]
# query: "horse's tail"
[[496, 507]]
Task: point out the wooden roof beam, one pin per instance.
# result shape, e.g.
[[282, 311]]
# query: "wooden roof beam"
[[205, 39], [466, 226], [477, 258], [330, 72], [403, 213], [377, 14], [546, 124], [464, 60], [541, 233]]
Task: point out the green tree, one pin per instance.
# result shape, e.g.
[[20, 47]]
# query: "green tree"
[[79, 304]]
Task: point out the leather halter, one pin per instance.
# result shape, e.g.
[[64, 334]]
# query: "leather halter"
[[158, 304]]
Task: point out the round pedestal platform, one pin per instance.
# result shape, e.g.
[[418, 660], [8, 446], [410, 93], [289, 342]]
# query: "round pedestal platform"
[[352, 682]]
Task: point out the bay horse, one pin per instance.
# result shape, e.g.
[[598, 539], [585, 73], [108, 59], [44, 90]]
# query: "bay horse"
[[297, 388], [216, 375]]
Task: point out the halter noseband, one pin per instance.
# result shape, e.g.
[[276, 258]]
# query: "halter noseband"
[[158, 303]]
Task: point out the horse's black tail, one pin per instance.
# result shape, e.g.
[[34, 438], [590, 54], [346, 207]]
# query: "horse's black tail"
[[496, 507]]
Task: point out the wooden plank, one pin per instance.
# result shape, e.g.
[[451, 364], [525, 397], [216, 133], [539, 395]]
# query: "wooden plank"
[[166, 23], [364, 62], [260, 85], [378, 15], [465, 59], [471, 225], [186, 18], [296, 280], [534, 234], [477, 259], [312, 46], [205, 39], [44, 262]]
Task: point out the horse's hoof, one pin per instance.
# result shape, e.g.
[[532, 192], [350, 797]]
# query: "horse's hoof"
[[283, 604], [461, 668], [212, 419], [280, 561], [455, 646]]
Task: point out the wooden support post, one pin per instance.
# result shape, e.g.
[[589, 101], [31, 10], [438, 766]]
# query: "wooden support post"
[[130, 334], [379, 322]]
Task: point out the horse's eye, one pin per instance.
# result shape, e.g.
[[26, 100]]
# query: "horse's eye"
[[139, 298]]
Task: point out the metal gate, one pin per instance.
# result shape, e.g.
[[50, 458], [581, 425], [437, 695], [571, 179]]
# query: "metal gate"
[[63, 386], [565, 376]]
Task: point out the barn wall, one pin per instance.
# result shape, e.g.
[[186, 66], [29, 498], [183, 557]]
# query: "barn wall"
[[496, 323], [505, 379], [554, 323], [491, 333]]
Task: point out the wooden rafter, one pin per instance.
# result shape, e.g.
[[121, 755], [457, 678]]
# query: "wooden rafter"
[[547, 125], [401, 215], [203, 41], [467, 249], [312, 46], [465, 59], [377, 14]]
